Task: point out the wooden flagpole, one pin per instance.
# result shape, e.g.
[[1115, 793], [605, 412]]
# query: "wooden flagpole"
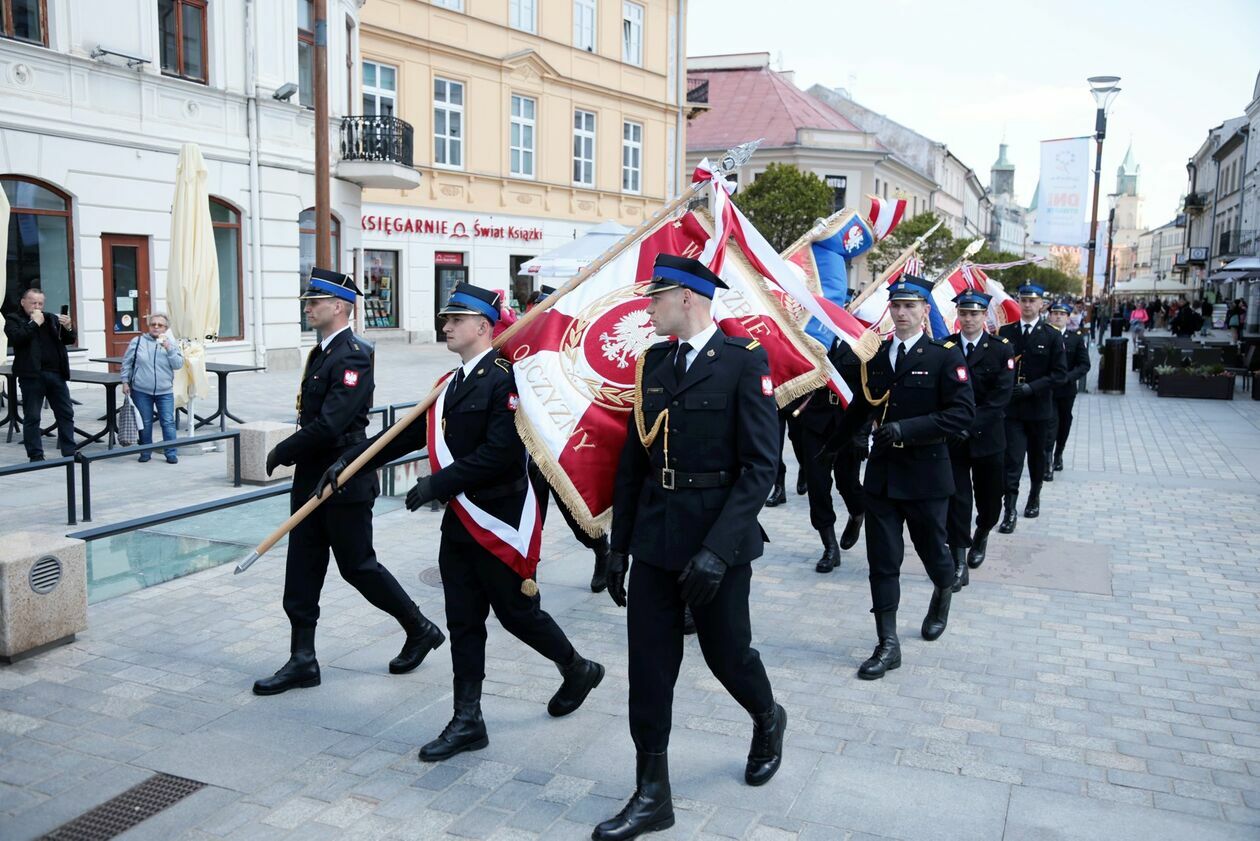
[[733, 159], [892, 267], [971, 249]]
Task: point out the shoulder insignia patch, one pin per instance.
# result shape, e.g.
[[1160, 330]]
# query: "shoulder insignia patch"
[[504, 364], [1005, 340], [753, 345], [947, 343]]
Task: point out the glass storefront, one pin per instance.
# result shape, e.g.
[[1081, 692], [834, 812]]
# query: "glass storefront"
[[227, 245], [380, 289], [40, 244]]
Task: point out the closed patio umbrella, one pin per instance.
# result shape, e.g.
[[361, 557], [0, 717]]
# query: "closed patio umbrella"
[[192, 278], [4, 250]]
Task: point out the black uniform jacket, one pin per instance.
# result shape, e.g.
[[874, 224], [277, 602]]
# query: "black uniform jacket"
[[336, 394], [1040, 362], [932, 401], [28, 353], [722, 419], [1077, 354], [992, 368], [479, 426]]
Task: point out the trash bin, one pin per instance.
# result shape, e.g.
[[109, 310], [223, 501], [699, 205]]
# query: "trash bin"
[[1111, 366]]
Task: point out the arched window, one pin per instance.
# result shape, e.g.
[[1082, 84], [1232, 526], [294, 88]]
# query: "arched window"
[[306, 248], [226, 220], [41, 243]]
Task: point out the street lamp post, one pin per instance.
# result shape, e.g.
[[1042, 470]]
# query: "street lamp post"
[[1104, 90]]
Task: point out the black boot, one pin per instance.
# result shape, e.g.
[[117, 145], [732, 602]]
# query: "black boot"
[[302, 670], [852, 530], [938, 613], [466, 730], [961, 576], [1033, 508], [689, 621], [1058, 461], [651, 807], [831, 550], [887, 654], [777, 496], [766, 751], [979, 546], [580, 677], [1049, 477], [1009, 515], [422, 637], [599, 578], [802, 486]]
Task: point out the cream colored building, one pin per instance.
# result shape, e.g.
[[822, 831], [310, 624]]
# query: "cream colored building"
[[531, 122]]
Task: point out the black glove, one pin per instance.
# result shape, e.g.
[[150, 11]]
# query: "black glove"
[[701, 577], [273, 461], [888, 434], [617, 564], [1025, 390], [329, 479], [862, 448], [420, 493]]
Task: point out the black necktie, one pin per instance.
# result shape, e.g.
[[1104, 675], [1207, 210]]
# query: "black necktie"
[[1027, 330], [970, 347], [901, 355], [457, 380], [680, 361]]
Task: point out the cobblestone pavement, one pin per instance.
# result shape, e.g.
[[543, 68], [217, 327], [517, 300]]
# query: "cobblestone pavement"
[[1099, 679]]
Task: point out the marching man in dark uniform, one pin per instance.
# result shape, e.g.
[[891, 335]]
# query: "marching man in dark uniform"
[[1040, 366], [918, 391], [815, 416], [698, 462], [977, 455], [488, 554], [1077, 353], [332, 416]]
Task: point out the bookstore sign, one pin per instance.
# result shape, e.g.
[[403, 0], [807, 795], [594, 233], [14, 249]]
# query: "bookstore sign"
[[416, 225]]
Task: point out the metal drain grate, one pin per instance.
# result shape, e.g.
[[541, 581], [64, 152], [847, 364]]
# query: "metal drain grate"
[[45, 574], [116, 816], [431, 576]]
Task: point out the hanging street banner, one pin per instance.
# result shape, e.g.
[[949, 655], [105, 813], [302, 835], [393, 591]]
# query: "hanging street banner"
[[1063, 197]]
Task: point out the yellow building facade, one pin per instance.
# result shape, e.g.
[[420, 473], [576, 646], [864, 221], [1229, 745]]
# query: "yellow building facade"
[[532, 120]]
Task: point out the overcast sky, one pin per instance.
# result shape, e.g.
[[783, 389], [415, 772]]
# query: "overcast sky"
[[968, 72]]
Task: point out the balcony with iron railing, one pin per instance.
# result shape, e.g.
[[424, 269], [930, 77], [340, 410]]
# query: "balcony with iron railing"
[[697, 96], [376, 151], [1237, 243]]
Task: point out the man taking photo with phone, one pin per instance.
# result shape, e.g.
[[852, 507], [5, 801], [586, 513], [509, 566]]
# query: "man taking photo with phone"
[[42, 367]]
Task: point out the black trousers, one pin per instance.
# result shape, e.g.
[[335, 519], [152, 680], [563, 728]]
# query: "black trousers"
[[885, 546], [50, 385], [1061, 425], [654, 625], [475, 582], [819, 475], [978, 481], [1025, 438], [346, 530], [788, 430]]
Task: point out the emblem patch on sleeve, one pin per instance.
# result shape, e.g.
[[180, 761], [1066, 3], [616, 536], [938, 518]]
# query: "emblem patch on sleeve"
[[961, 373], [350, 378], [1010, 363], [767, 386], [513, 402]]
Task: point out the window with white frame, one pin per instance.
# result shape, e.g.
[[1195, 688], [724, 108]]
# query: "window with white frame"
[[448, 123], [584, 25], [453, 5], [522, 140], [522, 15], [380, 89], [632, 33], [584, 148], [631, 157]]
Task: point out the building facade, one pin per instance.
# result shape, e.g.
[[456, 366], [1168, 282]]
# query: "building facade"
[[1128, 222], [1009, 230], [532, 122], [1201, 205], [96, 100], [1156, 252]]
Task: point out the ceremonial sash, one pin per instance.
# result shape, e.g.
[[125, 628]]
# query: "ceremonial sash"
[[517, 546]]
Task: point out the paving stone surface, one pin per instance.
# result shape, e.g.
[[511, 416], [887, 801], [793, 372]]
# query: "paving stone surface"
[[1100, 678]]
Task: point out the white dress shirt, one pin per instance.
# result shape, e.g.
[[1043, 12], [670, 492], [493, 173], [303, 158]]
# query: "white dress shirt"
[[323, 343], [698, 341], [909, 343]]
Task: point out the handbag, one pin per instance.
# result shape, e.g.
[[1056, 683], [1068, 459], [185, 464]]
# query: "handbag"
[[128, 423]]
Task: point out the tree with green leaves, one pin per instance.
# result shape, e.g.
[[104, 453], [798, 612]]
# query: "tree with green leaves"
[[936, 253], [784, 203]]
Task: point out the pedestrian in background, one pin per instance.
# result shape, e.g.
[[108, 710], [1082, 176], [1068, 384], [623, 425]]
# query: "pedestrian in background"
[[148, 377], [42, 366], [507, 315], [1137, 323]]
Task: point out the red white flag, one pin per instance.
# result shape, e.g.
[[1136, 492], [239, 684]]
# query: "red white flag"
[[885, 216]]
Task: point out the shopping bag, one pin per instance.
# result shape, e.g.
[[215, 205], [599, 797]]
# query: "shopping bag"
[[128, 423]]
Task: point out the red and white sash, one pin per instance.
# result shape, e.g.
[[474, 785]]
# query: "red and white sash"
[[517, 546]]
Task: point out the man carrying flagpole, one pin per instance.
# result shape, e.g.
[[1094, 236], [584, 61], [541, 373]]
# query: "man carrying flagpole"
[[492, 529]]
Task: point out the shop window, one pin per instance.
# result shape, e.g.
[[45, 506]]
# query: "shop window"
[[41, 244], [226, 221], [380, 289]]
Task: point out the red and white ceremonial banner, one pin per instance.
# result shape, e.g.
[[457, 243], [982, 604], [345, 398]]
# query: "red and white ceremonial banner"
[[518, 546], [885, 215]]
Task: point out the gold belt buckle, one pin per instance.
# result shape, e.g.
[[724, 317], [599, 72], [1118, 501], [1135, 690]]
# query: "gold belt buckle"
[[899, 445], [1019, 380], [667, 478]]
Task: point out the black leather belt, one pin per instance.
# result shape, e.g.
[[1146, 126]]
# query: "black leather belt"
[[928, 443], [499, 491], [350, 438], [672, 480]]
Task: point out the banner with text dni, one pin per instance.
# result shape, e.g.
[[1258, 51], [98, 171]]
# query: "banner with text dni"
[[1063, 197]]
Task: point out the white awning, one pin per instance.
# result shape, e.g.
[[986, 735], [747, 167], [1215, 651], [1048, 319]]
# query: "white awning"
[[569, 259]]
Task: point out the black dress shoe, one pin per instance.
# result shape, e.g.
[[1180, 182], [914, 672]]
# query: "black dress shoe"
[[938, 614], [777, 496], [887, 654], [1009, 515], [1049, 477], [689, 621], [979, 547], [831, 551], [302, 670], [802, 486], [852, 530], [1033, 508], [466, 730], [1058, 462], [961, 575], [766, 751], [580, 677], [651, 807], [599, 577], [422, 637]]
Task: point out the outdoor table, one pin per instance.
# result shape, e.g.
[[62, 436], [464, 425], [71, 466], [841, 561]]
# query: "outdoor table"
[[111, 382], [221, 370], [13, 416]]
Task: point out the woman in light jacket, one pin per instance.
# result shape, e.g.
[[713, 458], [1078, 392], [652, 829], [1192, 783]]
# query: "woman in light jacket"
[[148, 375]]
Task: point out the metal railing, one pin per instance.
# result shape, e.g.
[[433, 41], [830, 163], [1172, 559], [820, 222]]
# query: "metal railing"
[[1237, 243], [385, 139], [698, 91], [86, 459], [67, 462]]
